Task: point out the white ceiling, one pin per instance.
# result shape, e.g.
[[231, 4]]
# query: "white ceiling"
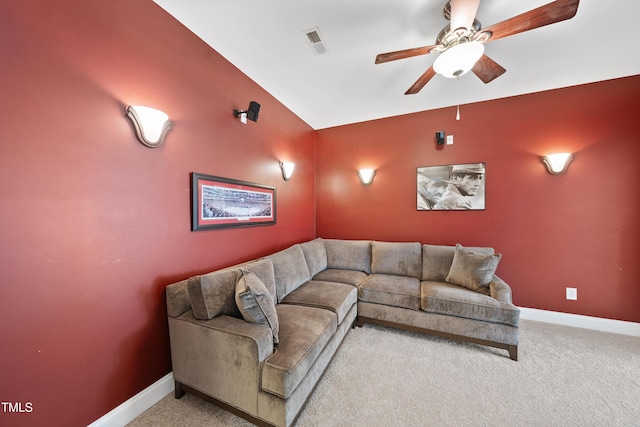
[[266, 40]]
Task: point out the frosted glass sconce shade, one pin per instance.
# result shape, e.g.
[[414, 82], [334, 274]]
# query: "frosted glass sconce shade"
[[366, 176], [287, 170], [151, 125], [557, 163]]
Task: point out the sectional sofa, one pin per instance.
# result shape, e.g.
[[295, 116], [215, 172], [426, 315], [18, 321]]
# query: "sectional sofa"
[[255, 338]]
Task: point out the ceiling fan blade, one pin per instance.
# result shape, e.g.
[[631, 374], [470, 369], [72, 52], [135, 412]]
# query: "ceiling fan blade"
[[487, 69], [463, 12], [550, 13], [401, 54], [423, 80]]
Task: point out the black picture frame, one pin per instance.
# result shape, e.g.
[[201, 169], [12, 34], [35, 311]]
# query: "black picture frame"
[[218, 202]]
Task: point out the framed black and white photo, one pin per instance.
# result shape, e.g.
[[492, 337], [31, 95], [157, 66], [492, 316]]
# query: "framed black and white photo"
[[451, 187], [222, 202]]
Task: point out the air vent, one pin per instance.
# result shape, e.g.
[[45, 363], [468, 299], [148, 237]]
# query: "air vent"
[[314, 38]]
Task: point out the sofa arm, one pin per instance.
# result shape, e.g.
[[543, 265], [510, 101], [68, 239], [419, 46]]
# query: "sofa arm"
[[221, 357], [499, 290]]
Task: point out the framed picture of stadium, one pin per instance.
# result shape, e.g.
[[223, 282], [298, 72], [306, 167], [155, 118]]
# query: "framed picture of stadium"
[[222, 202]]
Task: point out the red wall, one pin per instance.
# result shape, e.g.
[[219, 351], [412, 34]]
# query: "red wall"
[[94, 225], [579, 230]]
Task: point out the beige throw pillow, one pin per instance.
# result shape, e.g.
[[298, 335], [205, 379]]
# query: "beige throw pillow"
[[256, 303], [437, 259], [473, 270]]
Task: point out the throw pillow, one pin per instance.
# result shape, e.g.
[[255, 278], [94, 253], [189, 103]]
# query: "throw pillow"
[[473, 270], [263, 268], [256, 303], [437, 259]]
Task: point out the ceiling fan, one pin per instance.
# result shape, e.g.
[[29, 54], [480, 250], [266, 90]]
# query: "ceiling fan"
[[461, 43]]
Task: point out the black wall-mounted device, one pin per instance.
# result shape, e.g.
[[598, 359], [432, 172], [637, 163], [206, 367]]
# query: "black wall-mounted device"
[[252, 112], [440, 137]]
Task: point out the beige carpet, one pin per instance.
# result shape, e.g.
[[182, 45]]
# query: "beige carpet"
[[384, 377]]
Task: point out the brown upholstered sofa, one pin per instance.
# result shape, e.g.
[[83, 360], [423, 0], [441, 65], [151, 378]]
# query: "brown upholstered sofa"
[[256, 337]]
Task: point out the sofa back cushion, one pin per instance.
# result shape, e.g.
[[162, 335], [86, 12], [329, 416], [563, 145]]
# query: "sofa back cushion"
[[398, 258], [290, 269], [316, 256], [213, 294], [349, 254], [178, 300], [437, 260]]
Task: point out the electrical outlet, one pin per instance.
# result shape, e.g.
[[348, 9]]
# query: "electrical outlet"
[[572, 294], [449, 139]]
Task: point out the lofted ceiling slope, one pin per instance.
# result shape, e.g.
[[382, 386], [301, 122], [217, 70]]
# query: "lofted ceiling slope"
[[267, 41]]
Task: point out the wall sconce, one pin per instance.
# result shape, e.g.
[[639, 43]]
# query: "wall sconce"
[[557, 163], [287, 170], [366, 176], [250, 113], [151, 125]]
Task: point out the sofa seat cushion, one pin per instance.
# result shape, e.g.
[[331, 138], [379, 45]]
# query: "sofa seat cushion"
[[337, 297], [350, 277], [304, 333], [454, 300], [388, 289]]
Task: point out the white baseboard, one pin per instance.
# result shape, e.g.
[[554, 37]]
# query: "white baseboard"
[[579, 321], [132, 408], [148, 397]]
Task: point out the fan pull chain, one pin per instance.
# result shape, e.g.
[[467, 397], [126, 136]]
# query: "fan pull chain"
[[458, 96]]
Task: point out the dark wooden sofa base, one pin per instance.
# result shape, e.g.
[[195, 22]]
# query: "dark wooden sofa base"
[[181, 389], [512, 349]]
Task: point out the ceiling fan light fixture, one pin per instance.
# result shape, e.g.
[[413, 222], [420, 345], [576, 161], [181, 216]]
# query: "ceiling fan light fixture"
[[458, 60]]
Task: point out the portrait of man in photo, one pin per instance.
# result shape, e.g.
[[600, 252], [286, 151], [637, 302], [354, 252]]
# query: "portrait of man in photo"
[[453, 187]]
